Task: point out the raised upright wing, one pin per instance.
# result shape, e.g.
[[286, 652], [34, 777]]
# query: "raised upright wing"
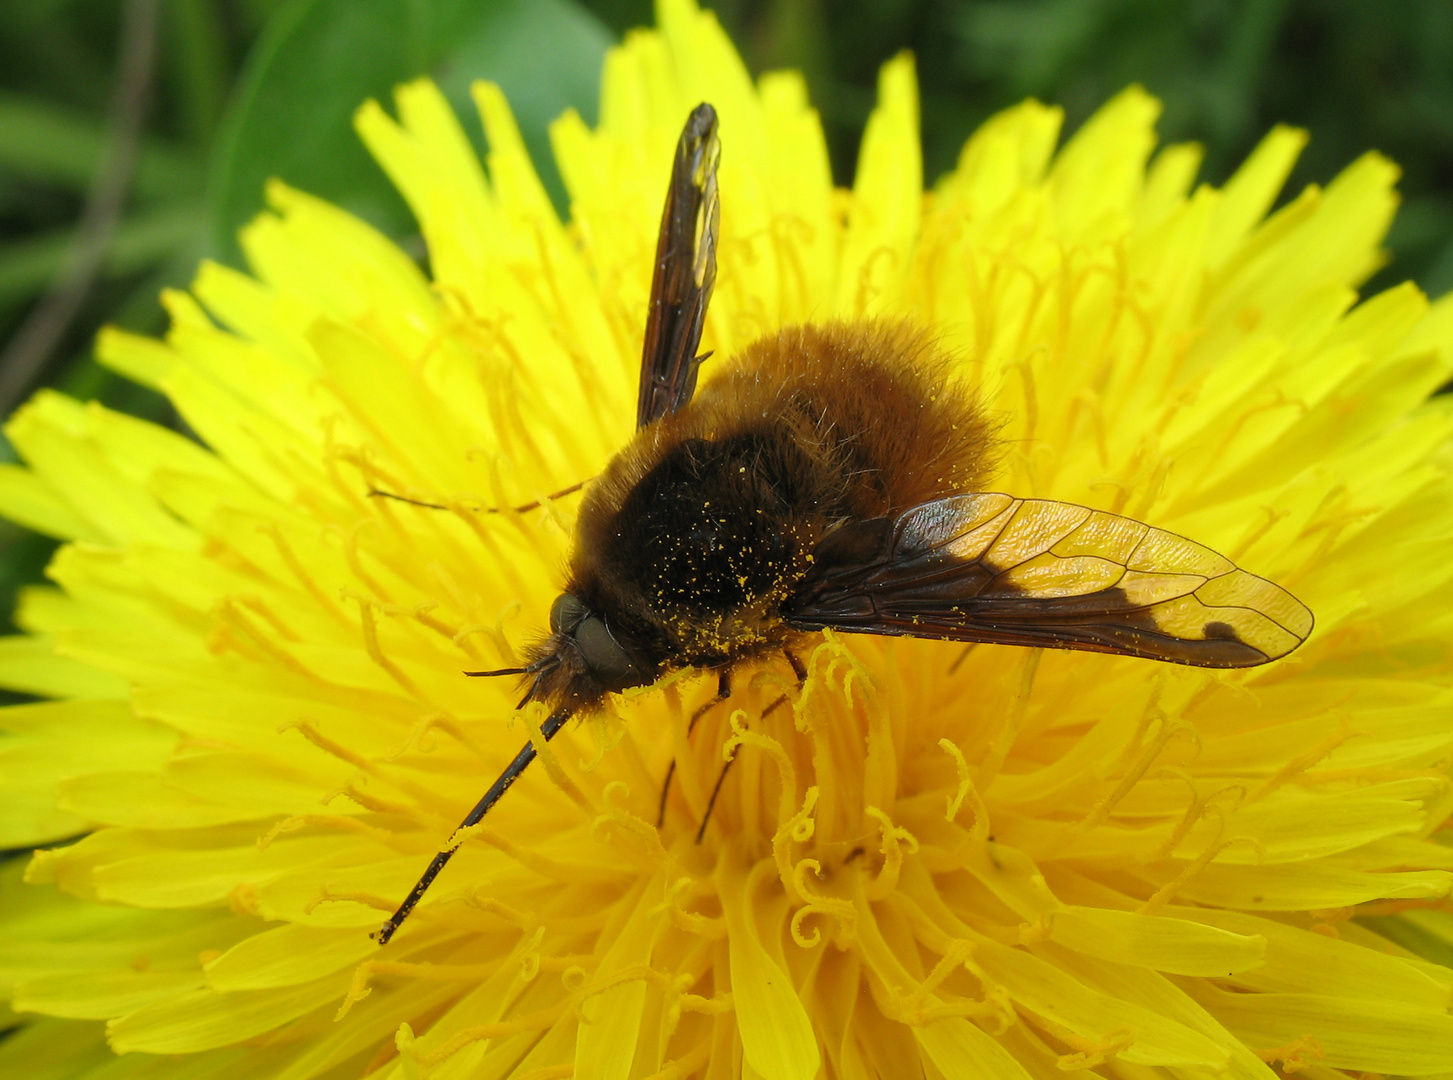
[[685, 272], [993, 568]]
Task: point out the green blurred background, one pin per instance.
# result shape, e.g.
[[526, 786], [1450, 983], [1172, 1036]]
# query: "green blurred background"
[[213, 96]]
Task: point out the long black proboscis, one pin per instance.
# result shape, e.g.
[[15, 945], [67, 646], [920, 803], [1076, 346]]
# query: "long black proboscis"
[[512, 773]]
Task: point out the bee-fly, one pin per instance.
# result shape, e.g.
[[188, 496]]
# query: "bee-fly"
[[832, 476]]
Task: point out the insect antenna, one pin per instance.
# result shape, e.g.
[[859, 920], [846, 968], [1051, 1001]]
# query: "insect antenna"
[[512, 773], [537, 667]]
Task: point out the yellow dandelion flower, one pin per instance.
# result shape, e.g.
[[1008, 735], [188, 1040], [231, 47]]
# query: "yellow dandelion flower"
[[998, 863]]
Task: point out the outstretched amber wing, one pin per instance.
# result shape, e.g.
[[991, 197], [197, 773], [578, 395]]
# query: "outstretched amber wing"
[[993, 568], [685, 272]]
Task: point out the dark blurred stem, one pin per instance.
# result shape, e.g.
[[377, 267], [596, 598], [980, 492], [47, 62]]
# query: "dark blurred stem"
[[25, 356]]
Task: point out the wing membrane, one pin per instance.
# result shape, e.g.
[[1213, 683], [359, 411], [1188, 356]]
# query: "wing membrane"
[[684, 274], [992, 568]]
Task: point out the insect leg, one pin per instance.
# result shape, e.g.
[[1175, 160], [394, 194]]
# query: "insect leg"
[[961, 657], [378, 494], [723, 691], [572, 489], [798, 668], [512, 773], [711, 803]]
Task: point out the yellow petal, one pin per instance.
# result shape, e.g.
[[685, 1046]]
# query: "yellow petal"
[[887, 193], [1367, 1035], [958, 1048], [777, 1035]]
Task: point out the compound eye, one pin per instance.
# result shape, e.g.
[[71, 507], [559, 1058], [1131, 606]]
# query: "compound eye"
[[566, 613], [603, 655]]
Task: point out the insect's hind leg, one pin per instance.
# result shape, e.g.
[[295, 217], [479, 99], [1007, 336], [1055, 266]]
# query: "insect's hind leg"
[[723, 691]]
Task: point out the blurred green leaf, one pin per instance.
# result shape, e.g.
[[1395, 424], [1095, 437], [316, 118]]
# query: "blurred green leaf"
[[45, 142], [318, 60], [1029, 44], [26, 555], [140, 241], [1409, 932], [195, 53]]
